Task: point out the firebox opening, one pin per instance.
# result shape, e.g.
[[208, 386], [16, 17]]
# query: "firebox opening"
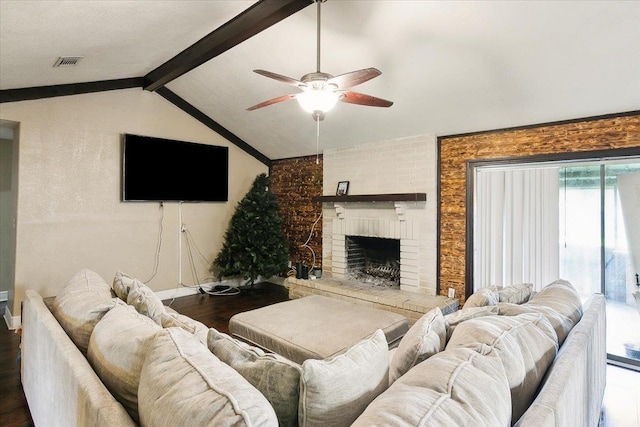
[[374, 260]]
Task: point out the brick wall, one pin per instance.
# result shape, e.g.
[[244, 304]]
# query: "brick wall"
[[455, 152], [294, 182]]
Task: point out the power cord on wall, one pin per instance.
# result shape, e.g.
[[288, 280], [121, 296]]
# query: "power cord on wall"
[[156, 262], [306, 244], [192, 247]]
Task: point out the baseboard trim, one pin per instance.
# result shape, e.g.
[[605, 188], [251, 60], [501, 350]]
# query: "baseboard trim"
[[13, 322], [4, 296], [181, 291]]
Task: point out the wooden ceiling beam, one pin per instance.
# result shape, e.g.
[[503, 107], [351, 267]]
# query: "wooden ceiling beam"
[[252, 21]]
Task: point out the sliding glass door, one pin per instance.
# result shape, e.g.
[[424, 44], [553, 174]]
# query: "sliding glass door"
[[598, 235]]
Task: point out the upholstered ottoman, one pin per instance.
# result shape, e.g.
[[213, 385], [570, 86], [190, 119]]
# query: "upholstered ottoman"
[[314, 327]]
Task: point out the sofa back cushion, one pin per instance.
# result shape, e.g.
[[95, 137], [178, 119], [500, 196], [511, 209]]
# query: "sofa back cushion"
[[117, 349], [424, 339], [516, 294], [183, 384], [122, 284], [177, 320], [457, 317], [485, 296], [145, 301], [335, 391], [559, 302], [526, 345], [277, 378], [81, 304], [459, 387]]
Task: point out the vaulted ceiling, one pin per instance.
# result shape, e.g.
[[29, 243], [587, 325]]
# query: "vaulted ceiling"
[[450, 67]]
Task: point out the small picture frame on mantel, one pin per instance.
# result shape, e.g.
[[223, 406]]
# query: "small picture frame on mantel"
[[343, 188]]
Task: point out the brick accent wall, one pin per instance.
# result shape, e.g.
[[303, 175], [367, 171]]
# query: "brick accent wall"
[[294, 182], [456, 151]]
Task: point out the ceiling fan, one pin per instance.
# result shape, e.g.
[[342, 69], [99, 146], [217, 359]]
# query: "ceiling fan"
[[321, 91]]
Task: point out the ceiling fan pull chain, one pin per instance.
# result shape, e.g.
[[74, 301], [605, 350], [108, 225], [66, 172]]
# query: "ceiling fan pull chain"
[[317, 141]]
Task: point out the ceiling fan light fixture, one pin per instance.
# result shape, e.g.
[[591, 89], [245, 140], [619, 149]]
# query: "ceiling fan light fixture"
[[317, 100]]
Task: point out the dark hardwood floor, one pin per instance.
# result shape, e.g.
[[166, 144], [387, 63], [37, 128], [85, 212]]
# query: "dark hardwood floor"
[[13, 406], [621, 402], [213, 311]]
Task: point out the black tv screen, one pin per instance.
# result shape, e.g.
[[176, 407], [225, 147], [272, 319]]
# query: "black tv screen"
[[162, 170]]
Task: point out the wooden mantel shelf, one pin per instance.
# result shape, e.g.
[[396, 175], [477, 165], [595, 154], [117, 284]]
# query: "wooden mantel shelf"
[[399, 197]]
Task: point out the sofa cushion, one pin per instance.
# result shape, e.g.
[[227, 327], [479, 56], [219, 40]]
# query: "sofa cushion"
[[516, 294], [334, 391], [277, 378], [145, 301], [81, 304], [457, 317], [171, 319], [459, 387], [525, 344], [559, 302], [183, 384], [424, 339], [562, 297], [117, 349], [482, 297], [121, 285]]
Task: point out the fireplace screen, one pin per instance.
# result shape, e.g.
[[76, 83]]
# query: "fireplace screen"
[[373, 260]]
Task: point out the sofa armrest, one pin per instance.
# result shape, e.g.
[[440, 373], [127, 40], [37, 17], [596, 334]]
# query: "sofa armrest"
[[60, 386], [574, 388]]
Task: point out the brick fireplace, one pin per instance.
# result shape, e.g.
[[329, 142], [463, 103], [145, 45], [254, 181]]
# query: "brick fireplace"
[[401, 168]]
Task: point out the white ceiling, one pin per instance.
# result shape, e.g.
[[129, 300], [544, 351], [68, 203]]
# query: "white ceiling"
[[450, 67]]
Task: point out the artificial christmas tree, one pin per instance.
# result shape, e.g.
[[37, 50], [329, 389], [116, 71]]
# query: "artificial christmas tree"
[[254, 244]]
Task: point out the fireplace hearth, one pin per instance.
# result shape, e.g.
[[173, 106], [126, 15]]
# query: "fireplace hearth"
[[372, 260]]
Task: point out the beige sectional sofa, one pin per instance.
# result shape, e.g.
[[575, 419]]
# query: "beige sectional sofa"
[[113, 355]]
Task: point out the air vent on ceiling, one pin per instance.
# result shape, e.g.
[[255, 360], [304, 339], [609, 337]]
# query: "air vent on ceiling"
[[67, 61]]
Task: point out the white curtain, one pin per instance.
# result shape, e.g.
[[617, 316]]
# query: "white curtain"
[[516, 227]]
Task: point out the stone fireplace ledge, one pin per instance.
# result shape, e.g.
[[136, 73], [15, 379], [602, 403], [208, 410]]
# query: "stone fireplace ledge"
[[409, 304]]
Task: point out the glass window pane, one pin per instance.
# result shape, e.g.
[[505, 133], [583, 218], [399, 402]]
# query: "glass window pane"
[[623, 317], [580, 227]]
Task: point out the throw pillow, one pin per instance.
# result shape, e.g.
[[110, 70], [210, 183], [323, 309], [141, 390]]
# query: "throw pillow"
[[334, 391], [458, 387], [483, 297], [424, 339], [171, 319], [526, 345], [116, 351], [183, 384], [516, 294], [81, 304], [121, 285], [145, 301], [454, 319], [277, 378]]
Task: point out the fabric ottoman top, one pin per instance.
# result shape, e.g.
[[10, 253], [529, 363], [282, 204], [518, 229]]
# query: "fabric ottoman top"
[[314, 327]]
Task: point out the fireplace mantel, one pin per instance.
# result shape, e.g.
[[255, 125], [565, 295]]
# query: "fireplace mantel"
[[358, 198], [399, 201]]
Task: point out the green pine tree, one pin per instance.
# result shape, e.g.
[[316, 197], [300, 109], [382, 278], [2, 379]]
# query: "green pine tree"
[[254, 243]]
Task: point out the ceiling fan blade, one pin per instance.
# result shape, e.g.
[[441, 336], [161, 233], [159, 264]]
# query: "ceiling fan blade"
[[272, 101], [347, 80], [281, 78], [362, 99]]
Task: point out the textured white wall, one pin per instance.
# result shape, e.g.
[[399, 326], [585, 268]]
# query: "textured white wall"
[[69, 211]]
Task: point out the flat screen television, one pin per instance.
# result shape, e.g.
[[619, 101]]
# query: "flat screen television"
[[165, 170]]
